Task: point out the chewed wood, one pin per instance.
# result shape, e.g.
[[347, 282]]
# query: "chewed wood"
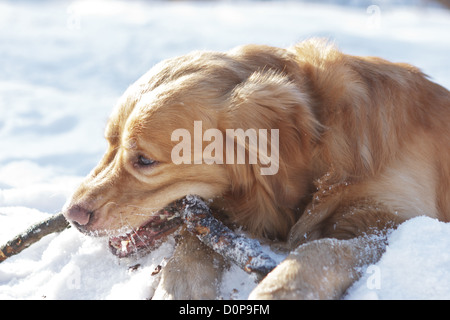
[[245, 252]]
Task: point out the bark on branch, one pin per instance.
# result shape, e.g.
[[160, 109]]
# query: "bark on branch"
[[245, 252], [56, 223]]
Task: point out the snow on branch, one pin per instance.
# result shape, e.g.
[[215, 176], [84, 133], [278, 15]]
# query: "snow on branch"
[[245, 252]]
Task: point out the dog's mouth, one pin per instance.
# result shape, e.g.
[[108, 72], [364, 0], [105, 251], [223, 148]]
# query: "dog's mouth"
[[148, 236]]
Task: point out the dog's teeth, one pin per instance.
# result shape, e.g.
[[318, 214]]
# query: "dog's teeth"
[[162, 217], [172, 217], [124, 245]]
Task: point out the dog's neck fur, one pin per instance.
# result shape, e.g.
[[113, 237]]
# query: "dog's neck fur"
[[340, 89]]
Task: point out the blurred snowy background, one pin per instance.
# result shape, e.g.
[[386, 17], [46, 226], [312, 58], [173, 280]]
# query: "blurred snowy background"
[[63, 64]]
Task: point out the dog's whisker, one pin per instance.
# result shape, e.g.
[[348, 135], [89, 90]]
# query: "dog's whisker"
[[145, 208], [144, 211], [125, 225], [134, 230], [111, 203], [140, 238]]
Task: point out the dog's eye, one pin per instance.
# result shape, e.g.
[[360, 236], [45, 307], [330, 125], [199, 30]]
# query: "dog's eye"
[[145, 162]]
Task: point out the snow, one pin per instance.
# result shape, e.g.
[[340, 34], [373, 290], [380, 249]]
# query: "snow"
[[63, 64], [416, 264]]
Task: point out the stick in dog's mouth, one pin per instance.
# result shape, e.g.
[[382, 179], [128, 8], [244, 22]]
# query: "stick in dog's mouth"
[[195, 213]]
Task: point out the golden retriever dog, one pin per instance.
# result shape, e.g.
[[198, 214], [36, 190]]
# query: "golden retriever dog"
[[362, 144]]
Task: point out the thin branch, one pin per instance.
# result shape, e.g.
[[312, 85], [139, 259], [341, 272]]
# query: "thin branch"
[[56, 223]]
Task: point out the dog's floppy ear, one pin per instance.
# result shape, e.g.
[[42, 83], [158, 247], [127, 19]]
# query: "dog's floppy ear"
[[269, 102]]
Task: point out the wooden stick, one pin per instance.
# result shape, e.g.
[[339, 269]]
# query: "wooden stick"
[[245, 252], [56, 223]]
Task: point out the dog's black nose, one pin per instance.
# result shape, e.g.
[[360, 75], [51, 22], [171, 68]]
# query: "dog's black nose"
[[78, 214]]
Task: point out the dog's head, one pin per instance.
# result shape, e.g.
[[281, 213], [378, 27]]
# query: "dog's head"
[[168, 138]]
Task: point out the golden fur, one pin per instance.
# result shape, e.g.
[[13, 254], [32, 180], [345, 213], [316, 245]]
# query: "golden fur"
[[364, 144]]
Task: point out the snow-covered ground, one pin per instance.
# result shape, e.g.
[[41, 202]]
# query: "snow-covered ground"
[[64, 64]]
